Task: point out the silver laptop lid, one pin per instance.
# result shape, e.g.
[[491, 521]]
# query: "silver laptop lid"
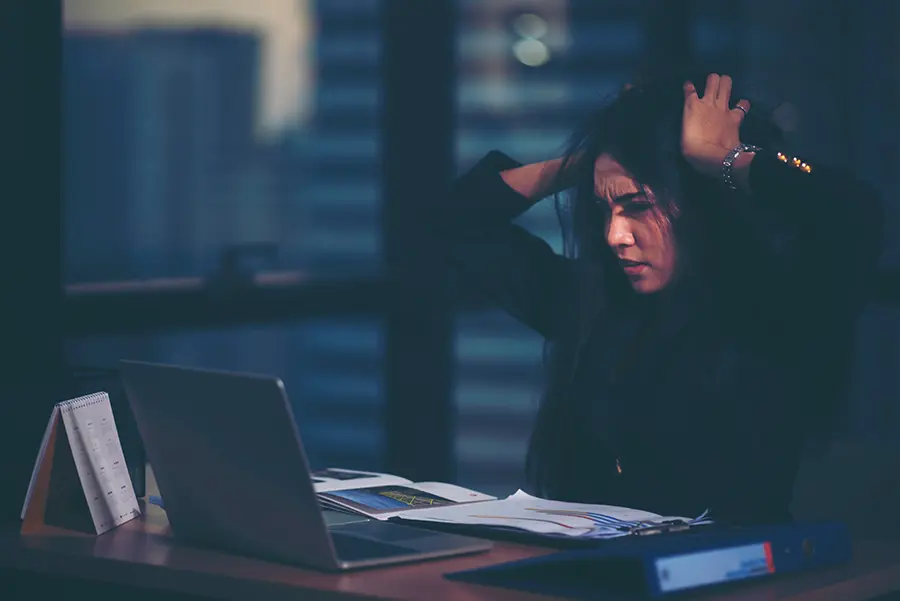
[[229, 462]]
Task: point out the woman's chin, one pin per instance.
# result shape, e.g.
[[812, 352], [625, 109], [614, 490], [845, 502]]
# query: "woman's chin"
[[646, 283]]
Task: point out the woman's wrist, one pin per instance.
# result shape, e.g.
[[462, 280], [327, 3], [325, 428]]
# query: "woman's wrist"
[[740, 170], [713, 160]]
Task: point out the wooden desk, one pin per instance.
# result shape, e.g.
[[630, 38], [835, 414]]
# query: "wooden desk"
[[142, 554]]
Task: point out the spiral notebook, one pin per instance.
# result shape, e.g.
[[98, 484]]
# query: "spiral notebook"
[[80, 480]]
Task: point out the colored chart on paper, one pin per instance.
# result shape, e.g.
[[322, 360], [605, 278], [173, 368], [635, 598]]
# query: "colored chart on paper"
[[386, 498]]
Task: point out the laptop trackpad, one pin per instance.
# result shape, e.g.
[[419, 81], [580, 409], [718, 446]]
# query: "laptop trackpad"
[[389, 533]]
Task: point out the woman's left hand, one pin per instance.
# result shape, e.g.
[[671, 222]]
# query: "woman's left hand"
[[710, 127]]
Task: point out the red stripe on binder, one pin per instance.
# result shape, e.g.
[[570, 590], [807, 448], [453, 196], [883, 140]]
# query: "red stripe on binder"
[[770, 563]]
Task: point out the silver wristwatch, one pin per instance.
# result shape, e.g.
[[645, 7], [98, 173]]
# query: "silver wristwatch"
[[729, 161]]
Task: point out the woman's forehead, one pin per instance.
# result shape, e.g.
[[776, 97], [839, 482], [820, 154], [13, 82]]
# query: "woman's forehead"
[[611, 180]]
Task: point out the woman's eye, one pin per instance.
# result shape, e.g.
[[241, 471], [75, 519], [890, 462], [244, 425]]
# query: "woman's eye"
[[636, 208]]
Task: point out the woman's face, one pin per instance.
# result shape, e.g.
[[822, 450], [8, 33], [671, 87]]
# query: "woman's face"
[[636, 231]]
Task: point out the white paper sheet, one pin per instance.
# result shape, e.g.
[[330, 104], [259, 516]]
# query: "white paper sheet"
[[522, 511], [338, 479]]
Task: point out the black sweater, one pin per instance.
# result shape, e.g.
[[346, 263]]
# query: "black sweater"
[[714, 412]]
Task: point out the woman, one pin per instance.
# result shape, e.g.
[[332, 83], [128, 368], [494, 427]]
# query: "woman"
[[699, 318]]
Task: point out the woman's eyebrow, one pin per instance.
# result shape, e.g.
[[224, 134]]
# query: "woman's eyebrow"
[[622, 199], [628, 198]]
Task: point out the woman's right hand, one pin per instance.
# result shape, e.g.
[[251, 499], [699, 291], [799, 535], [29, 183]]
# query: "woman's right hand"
[[711, 127]]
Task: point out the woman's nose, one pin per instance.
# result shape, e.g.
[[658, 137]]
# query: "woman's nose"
[[619, 233]]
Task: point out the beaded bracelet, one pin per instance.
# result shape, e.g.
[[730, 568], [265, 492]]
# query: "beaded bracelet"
[[728, 162]]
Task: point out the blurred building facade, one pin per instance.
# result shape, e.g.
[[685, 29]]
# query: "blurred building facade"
[[159, 132], [163, 171]]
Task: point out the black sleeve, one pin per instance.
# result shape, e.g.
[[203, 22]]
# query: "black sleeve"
[[474, 231], [820, 275], [818, 234], [830, 233]]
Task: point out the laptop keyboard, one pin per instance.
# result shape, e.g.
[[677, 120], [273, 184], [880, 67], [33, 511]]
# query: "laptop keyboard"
[[355, 548]]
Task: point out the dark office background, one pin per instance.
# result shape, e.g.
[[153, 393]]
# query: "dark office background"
[[237, 177]]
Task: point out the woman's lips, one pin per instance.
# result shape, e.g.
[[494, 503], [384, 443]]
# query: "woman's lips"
[[633, 267]]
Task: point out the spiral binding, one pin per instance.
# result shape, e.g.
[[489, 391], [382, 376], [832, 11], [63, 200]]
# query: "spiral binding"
[[83, 401]]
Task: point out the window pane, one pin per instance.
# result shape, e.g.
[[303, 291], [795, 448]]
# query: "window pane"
[[195, 125], [332, 370], [497, 395], [526, 72]]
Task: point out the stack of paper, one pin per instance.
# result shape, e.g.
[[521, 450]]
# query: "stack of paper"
[[386, 497], [524, 512]]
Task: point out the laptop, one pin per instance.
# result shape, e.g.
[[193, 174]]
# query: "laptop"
[[233, 475]]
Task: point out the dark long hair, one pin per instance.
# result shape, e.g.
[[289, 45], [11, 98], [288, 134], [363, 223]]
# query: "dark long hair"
[[641, 129]]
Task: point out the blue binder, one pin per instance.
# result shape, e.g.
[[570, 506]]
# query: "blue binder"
[[670, 564]]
